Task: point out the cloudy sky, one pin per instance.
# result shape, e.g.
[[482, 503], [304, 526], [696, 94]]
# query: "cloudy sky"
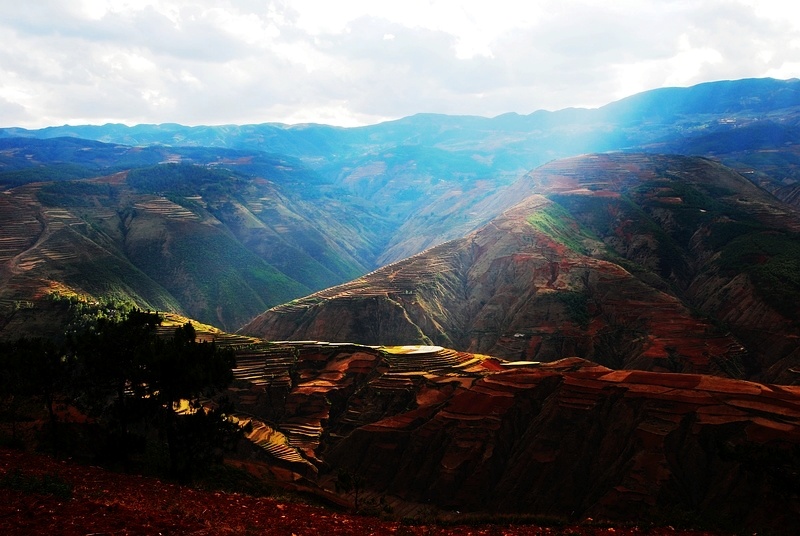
[[355, 62]]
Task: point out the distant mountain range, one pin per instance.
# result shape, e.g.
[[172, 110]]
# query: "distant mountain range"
[[252, 216]]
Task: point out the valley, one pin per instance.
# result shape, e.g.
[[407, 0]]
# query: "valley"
[[620, 259], [582, 314]]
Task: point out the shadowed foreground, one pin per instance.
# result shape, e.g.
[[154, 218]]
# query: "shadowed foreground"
[[39, 495]]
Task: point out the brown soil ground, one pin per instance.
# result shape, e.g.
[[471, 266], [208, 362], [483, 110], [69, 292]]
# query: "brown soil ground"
[[106, 503]]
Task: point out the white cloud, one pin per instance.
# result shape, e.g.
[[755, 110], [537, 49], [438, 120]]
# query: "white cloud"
[[360, 61]]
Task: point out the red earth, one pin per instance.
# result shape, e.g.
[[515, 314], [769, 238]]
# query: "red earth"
[[107, 503]]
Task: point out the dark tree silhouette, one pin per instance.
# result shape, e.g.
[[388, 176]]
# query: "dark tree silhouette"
[[113, 355], [181, 374], [131, 381]]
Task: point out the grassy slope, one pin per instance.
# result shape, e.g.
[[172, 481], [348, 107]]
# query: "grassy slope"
[[155, 240]]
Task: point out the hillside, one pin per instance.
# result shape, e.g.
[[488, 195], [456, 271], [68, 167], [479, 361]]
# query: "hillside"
[[282, 211], [632, 261], [187, 238], [426, 426], [435, 177], [430, 433], [457, 313]]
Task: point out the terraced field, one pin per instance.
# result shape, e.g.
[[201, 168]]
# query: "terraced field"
[[430, 425], [171, 237], [289, 371], [274, 443], [19, 225], [401, 280], [405, 359], [165, 208]]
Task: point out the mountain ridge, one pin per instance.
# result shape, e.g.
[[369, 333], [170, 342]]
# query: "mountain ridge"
[[551, 277], [364, 197], [211, 238]]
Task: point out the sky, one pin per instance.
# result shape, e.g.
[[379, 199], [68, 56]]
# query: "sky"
[[358, 62]]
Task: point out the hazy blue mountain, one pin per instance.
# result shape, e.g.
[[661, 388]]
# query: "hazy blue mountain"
[[420, 162], [559, 132], [323, 204]]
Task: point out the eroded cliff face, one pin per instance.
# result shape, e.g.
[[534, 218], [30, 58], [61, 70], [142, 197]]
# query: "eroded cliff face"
[[431, 426], [574, 438]]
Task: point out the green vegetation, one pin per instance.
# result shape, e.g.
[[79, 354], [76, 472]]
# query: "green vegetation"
[[146, 378], [34, 368], [73, 193], [723, 231], [622, 219], [778, 280], [596, 213], [58, 315], [206, 269], [183, 180], [772, 260], [620, 340], [577, 305], [219, 274], [557, 223], [99, 269], [696, 207], [51, 172]]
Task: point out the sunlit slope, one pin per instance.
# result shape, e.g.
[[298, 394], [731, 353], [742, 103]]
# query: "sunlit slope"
[[633, 261]]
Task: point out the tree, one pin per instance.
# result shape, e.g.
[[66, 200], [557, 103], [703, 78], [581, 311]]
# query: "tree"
[[12, 388], [349, 482], [124, 374], [113, 354], [202, 438], [184, 370]]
